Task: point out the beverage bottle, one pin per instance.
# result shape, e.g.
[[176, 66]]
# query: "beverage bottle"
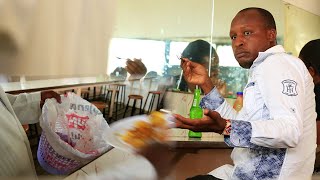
[[195, 112], [238, 103]]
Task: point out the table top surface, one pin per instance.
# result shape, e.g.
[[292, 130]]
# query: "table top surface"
[[39, 85], [208, 140]]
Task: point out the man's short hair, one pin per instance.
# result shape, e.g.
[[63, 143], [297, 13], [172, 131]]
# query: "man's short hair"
[[310, 54], [266, 15]]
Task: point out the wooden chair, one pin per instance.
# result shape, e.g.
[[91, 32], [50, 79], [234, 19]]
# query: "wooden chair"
[[153, 96], [112, 101], [101, 104], [85, 93], [122, 92], [135, 97]]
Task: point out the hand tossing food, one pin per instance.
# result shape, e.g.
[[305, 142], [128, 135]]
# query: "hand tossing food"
[[144, 132]]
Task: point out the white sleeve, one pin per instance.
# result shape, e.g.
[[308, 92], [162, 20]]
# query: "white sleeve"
[[26, 107], [214, 101], [282, 87]]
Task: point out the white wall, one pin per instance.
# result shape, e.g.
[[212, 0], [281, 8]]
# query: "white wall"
[[298, 34], [184, 18], [312, 6], [225, 10], [61, 38], [163, 18]]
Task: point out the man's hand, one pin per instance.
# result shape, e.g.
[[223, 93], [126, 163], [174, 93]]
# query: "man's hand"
[[49, 94], [197, 74], [136, 68], [211, 122]]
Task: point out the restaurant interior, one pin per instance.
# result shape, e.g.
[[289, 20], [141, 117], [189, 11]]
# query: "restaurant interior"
[[83, 47]]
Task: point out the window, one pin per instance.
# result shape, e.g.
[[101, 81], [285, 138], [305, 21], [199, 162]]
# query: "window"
[[176, 49], [151, 52], [226, 56]]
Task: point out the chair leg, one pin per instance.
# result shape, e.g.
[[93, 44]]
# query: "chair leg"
[[140, 106], [151, 104], [116, 107], [94, 93], [145, 103], [88, 95], [104, 112], [124, 94], [107, 96], [126, 108], [158, 102], [133, 107]]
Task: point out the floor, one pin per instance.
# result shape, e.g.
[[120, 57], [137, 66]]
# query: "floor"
[[33, 138]]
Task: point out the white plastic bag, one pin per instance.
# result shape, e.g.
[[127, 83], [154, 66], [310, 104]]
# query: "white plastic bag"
[[75, 128]]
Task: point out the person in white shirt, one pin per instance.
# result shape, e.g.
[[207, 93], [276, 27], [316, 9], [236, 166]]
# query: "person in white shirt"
[[153, 162], [310, 55], [274, 135], [16, 157]]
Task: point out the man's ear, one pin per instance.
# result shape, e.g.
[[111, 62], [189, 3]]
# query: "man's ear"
[[312, 71], [272, 35]]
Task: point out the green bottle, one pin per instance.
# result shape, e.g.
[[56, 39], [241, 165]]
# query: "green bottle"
[[196, 112]]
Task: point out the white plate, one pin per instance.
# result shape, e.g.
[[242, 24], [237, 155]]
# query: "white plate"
[[123, 125]]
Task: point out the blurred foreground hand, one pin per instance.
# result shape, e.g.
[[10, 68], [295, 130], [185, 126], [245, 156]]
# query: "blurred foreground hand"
[[47, 95], [162, 157], [135, 68]]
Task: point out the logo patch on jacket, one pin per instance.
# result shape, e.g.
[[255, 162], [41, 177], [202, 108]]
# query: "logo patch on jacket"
[[289, 87]]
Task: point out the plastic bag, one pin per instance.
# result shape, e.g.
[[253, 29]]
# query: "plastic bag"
[[73, 131]]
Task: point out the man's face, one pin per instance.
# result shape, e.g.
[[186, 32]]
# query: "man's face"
[[249, 36]]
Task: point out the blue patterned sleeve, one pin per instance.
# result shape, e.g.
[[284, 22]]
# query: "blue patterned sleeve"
[[240, 136], [212, 100], [227, 141]]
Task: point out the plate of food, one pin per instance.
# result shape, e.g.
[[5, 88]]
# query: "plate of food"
[[133, 133]]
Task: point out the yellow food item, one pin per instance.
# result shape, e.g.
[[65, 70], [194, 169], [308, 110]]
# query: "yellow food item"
[[144, 132], [157, 119]]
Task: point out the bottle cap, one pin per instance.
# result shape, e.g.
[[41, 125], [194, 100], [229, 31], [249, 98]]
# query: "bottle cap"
[[240, 93]]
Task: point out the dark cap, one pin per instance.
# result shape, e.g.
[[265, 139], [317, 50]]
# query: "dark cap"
[[197, 50]]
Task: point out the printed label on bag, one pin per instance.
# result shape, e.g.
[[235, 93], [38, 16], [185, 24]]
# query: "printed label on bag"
[[76, 121]]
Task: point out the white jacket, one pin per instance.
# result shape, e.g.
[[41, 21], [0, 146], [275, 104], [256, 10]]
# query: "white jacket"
[[16, 157], [274, 134]]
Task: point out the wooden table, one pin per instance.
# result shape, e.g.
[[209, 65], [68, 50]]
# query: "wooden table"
[[196, 156]]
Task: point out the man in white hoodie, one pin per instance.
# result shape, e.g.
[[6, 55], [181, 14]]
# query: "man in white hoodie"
[[274, 135]]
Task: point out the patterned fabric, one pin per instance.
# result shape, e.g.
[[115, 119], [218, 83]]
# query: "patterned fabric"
[[227, 128], [212, 100], [265, 164], [250, 84], [228, 142], [241, 134], [265, 112]]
